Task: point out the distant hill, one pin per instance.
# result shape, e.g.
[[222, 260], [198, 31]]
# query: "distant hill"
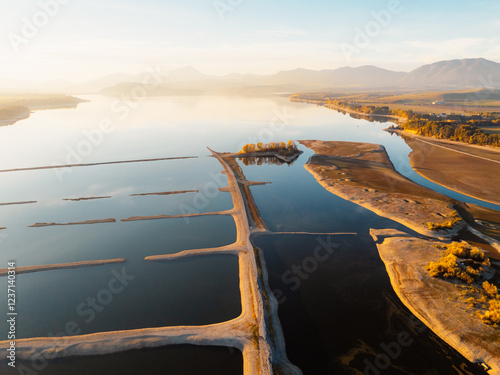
[[443, 75], [363, 76], [454, 74]]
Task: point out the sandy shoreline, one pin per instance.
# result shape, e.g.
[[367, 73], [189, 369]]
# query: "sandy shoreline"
[[52, 267], [472, 171], [436, 302], [363, 174]]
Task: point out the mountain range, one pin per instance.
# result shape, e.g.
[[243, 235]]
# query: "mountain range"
[[442, 75]]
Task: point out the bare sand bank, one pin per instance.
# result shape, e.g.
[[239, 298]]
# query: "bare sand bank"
[[436, 302], [85, 199], [17, 203], [99, 221], [471, 170], [95, 164], [165, 193], [159, 217], [363, 174], [52, 267]]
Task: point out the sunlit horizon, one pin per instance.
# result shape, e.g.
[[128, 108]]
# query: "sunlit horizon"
[[53, 40]]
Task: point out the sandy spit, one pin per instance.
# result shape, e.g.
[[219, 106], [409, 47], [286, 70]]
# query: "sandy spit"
[[16, 203], [157, 217], [435, 302], [363, 174], [94, 164], [85, 199], [166, 193], [100, 221], [62, 266]]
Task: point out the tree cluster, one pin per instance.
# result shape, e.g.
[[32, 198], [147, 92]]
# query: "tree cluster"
[[282, 148], [456, 132]]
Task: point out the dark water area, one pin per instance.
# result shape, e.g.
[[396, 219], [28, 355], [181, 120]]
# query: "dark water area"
[[340, 315], [137, 294], [178, 360]]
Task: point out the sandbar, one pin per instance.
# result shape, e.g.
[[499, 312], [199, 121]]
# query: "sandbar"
[[17, 203], [166, 193], [434, 301], [99, 221], [159, 217], [94, 164], [52, 267], [84, 199], [363, 174]]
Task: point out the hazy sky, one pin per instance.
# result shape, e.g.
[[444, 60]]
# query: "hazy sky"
[[80, 39]]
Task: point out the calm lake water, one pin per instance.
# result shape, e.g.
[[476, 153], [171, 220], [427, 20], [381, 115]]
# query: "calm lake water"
[[200, 290]]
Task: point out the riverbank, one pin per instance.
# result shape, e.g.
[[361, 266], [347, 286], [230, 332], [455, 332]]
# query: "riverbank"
[[398, 119], [468, 169]]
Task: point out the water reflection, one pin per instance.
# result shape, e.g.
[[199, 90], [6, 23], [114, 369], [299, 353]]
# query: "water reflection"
[[270, 160]]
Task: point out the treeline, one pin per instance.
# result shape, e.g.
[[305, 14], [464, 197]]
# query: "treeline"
[[281, 148], [369, 110], [456, 132]]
